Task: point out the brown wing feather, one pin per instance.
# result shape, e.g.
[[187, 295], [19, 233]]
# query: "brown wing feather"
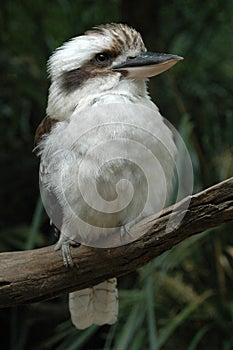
[[44, 128]]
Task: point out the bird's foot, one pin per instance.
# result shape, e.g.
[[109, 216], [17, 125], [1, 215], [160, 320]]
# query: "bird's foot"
[[124, 231], [66, 253]]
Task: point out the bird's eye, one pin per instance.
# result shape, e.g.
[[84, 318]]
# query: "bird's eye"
[[102, 57]]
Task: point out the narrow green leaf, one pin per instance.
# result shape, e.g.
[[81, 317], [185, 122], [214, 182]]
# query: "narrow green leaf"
[[196, 339], [151, 314], [134, 320], [36, 221], [77, 339], [176, 321]]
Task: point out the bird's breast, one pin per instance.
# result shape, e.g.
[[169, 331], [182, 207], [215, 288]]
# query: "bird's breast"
[[112, 164]]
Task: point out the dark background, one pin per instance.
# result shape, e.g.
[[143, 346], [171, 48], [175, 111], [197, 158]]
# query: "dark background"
[[184, 299]]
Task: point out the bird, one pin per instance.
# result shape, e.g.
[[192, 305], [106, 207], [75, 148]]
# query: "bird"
[[106, 153]]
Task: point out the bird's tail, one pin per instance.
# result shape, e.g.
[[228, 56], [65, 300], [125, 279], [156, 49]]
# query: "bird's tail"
[[96, 305]]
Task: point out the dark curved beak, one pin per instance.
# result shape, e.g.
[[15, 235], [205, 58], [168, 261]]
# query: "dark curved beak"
[[146, 65]]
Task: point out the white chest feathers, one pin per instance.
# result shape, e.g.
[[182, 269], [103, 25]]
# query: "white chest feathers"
[[109, 166]]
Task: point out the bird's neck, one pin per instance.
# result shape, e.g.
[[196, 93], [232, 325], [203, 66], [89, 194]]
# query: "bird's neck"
[[61, 106]]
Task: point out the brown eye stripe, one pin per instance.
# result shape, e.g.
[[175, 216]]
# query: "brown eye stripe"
[[122, 38], [71, 80]]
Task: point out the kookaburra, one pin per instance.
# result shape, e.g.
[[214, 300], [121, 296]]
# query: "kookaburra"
[[107, 156]]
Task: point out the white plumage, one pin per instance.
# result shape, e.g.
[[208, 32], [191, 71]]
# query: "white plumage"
[[108, 161]]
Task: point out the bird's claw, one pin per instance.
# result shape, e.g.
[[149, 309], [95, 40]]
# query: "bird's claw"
[[66, 254], [124, 230]]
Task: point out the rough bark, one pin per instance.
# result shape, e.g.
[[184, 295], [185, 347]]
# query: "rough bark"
[[39, 274]]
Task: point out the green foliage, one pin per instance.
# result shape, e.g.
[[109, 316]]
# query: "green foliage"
[[183, 299]]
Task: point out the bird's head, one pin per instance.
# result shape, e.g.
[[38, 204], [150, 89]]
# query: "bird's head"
[[110, 57]]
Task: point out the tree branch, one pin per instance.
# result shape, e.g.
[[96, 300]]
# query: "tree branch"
[[39, 274]]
